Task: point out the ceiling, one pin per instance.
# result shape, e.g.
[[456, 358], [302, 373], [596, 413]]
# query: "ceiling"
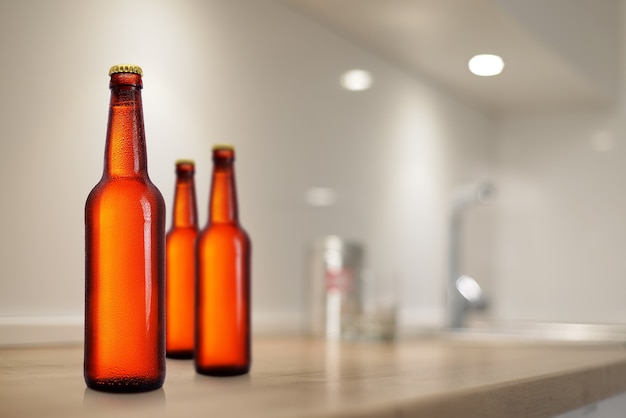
[[557, 53]]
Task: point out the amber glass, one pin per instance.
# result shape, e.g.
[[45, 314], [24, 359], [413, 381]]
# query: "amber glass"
[[180, 265], [223, 279], [125, 256]]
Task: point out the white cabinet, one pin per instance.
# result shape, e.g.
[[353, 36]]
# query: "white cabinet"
[[614, 407]]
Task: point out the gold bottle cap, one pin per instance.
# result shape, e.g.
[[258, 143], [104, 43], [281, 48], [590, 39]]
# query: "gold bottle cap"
[[126, 68], [223, 147], [185, 161]]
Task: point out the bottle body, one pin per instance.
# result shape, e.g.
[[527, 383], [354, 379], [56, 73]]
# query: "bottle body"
[[181, 265], [223, 334], [223, 315], [124, 347], [125, 257]]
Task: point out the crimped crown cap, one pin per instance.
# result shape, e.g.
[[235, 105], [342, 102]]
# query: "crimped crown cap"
[[126, 68]]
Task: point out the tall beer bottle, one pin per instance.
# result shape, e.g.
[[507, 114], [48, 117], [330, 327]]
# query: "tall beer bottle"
[[180, 265], [125, 254], [223, 278]]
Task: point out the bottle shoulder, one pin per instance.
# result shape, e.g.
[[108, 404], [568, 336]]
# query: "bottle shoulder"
[[223, 240], [128, 184], [182, 232], [126, 189], [225, 230]]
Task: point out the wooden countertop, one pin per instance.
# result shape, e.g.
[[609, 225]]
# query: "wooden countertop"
[[297, 377]]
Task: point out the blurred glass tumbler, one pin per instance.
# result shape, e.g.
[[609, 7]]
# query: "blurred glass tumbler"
[[335, 288], [379, 300], [348, 301]]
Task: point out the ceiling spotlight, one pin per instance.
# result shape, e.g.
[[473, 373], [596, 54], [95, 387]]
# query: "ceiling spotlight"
[[356, 80], [486, 65]]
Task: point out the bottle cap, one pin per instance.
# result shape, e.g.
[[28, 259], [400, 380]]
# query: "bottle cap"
[[126, 68], [185, 161], [223, 147], [185, 167]]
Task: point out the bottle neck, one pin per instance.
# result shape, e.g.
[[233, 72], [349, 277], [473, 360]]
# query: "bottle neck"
[[223, 203], [125, 154], [185, 208]]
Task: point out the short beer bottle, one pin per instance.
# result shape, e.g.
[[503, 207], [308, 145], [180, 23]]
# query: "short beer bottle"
[[223, 278], [125, 254], [180, 265]]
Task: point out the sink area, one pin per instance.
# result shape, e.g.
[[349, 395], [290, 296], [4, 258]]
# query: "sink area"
[[535, 332]]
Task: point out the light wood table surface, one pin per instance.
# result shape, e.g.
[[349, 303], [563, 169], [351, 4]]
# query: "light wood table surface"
[[299, 377]]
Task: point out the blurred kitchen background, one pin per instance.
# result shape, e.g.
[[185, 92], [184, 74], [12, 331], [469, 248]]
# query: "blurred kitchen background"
[[381, 166]]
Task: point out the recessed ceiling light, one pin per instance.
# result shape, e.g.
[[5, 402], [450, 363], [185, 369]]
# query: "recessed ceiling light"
[[486, 65], [356, 80]]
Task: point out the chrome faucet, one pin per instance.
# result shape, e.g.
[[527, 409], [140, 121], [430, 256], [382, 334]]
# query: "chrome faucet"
[[463, 292]]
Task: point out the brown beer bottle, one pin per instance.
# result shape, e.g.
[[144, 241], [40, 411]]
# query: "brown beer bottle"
[[125, 254], [181, 264], [223, 278]]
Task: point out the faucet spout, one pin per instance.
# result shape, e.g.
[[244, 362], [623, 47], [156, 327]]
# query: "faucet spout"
[[463, 292]]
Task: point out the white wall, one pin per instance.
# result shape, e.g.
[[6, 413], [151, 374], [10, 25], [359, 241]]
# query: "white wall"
[[559, 228], [248, 72], [560, 231]]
